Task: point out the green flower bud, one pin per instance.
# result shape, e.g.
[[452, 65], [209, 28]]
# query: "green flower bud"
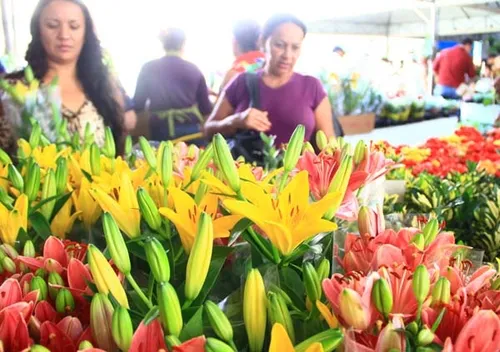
[[148, 209], [430, 231], [360, 152], [32, 183], [147, 150], [308, 147], [5, 158], [421, 283], [199, 258], [9, 251], [95, 159], [425, 337], [128, 146], [37, 283], [28, 74], [65, 302], [109, 149], [278, 313], [323, 269], [29, 249], [122, 329], [38, 348], [166, 164], [15, 178], [441, 293], [41, 273], [311, 282], [419, 241], [225, 163], [116, 244], [201, 165], [158, 260], [85, 345], [339, 184], [214, 345], [219, 321], [54, 279], [36, 134], [48, 191], [321, 140], [329, 339], [292, 153], [412, 327], [170, 309], [382, 297], [62, 174], [101, 321], [9, 265], [172, 341]]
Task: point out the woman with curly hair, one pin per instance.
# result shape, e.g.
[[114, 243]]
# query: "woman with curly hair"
[[64, 45]]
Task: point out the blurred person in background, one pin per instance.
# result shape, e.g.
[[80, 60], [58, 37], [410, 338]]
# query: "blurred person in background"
[[65, 45], [171, 96], [286, 98], [453, 67], [248, 57]]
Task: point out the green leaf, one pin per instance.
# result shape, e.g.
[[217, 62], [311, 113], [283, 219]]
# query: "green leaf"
[[59, 204], [293, 285], [87, 175], [219, 256], [152, 315], [238, 229], [194, 326], [40, 225], [137, 250]]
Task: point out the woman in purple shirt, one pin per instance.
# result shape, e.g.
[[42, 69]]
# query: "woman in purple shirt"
[[286, 98]]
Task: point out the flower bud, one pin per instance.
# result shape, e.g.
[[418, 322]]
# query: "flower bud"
[[391, 339], [37, 283], [330, 340], [9, 251], [88, 137], [95, 159], [28, 74], [148, 209], [48, 191], [122, 329], [9, 265], [430, 231], [419, 241], [421, 283], [170, 309], [214, 345], [382, 297], [5, 158], [278, 313], [54, 279], [339, 184], [321, 140], [65, 302], [29, 249], [62, 173], [365, 222], [35, 136], [147, 150], [158, 260], [101, 322], [292, 153], [128, 146], [308, 147], [254, 310], [311, 282], [425, 337], [323, 269], [109, 149], [116, 244], [441, 293], [413, 327], [199, 258], [15, 178], [166, 164], [32, 184], [353, 310], [201, 165], [104, 276], [219, 321], [41, 273], [360, 152], [38, 348], [225, 162], [85, 345]]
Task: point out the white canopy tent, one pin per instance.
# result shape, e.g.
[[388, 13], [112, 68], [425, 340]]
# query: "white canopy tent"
[[417, 18]]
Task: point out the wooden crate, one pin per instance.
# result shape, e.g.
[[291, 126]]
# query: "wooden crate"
[[357, 124]]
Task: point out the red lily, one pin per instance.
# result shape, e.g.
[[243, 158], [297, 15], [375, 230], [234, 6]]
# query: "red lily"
[[64, 336]]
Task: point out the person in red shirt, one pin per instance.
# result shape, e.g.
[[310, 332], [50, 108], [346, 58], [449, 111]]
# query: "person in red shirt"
[[452, 67]]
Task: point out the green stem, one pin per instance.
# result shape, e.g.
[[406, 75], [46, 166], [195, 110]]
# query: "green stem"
[[138, 290], [284, 177], [233, 346], [187, 304], [261, 247], [438, 320], [419, 311], [151, 286]]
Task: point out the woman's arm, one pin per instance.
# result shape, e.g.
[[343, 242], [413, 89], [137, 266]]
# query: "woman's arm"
[[323, 116]]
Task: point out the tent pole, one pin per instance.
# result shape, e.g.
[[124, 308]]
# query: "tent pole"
[[433, 36]]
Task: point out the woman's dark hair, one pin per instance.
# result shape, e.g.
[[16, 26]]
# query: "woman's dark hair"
[[173, 39], [91, 70], [277, 20], [247, 33]]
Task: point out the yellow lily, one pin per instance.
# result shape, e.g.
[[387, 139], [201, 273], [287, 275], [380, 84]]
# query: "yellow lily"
[[63, 221], [46, 157], [187, 216], [105, 277], [288, 220], [125, 211], [327, 314], [4, 174], [11, 221], [86, 206], [280, 341]]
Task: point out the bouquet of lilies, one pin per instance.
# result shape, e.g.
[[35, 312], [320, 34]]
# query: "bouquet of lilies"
[[186, 249]]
